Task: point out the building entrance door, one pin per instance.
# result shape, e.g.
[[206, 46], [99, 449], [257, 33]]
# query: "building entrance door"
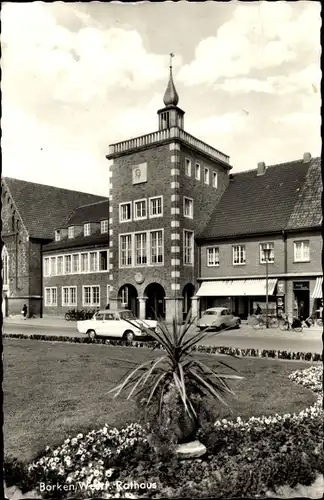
[[301, 299], [155, 303], [128, 297]]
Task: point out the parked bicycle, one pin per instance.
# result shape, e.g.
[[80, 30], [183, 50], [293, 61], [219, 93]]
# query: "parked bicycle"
[[259, 322], [295, 324], [313, 321]]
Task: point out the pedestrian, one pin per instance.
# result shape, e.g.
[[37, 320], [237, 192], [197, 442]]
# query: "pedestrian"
[[301, 311], [258, 310], [24, 311]]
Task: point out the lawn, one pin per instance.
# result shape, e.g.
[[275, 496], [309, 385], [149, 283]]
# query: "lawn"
[[52, 390]]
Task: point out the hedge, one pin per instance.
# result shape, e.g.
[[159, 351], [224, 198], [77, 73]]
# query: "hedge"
[[244, 352]]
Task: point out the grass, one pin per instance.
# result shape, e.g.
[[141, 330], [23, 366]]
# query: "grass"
[[52, 390]]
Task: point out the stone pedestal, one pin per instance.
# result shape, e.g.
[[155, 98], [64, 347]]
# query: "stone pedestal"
[[195, 449], [173, 309], [141, 307]]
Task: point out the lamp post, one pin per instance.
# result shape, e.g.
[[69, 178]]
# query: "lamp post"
[[266, 253]]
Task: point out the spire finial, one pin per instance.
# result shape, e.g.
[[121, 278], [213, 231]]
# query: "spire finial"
[[171, 97]]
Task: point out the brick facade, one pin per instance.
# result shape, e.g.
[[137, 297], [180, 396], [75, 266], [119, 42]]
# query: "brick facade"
[[165, 177], [24, 284], [26, 227], [284, 268], [79, 281], [253, 266]]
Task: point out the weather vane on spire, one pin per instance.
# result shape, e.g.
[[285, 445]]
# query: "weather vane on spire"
[[171, 55]]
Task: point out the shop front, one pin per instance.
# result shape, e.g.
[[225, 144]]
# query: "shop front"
[[317, 297], [301, 294], [240, 296]]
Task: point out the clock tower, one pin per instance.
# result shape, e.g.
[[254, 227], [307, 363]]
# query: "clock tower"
[[163, 188]]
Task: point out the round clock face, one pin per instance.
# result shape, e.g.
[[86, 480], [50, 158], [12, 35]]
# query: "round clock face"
[[139, 278]]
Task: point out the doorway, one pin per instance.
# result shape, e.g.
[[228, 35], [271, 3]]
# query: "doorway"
[[188, 293], [127, 296], [301, 299], [155, 303]]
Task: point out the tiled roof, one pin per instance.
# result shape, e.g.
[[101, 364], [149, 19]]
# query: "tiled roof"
[[255, 204], [307, 211], [94, 212], [78, 241], [44, 208]]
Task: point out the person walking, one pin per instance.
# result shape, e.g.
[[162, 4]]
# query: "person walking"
[[258, 310], [24, 311], [301, 311]]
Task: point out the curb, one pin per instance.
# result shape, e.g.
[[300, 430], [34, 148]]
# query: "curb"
[[232, 351]]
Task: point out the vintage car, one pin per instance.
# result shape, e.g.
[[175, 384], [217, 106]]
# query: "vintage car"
[[218, 318], [120, 324]]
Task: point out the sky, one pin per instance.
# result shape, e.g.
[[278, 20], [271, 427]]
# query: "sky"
[[80, 76]]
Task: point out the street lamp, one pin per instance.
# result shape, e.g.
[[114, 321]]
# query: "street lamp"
[[266, 253]]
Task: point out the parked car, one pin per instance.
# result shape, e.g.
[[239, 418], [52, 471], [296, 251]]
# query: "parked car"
[[218, 318], [120, 324]]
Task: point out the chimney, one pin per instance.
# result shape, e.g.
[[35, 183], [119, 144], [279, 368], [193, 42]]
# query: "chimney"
[[261, 168], [307, 157]]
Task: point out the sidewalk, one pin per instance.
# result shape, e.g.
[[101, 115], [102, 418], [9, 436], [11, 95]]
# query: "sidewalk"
[[53, 321]]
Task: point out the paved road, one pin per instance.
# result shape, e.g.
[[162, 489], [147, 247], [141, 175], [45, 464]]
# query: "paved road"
[[310, 340]]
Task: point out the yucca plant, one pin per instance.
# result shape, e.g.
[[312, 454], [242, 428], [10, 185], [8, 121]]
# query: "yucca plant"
[[177, 376]]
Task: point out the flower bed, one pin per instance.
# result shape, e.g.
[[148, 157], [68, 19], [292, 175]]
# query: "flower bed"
[[244, 352], [245, 458]]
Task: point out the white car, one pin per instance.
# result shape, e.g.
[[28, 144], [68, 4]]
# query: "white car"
[[218, 318], [120, 324]]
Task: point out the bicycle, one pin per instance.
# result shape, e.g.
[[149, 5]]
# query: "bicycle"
[[261, 322], [295, 324], [313, 321]]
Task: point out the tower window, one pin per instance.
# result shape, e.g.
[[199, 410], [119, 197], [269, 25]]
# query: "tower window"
[[188, 167], [206, 176], [197, 171], [215, 180]]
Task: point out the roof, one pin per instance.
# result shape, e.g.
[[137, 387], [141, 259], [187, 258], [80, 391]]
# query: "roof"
[[307, 211], [93, 212], [256, 204], [78, 241], [44, 208]]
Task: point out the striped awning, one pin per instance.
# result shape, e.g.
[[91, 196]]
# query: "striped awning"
[[236, 288], [317, 292]]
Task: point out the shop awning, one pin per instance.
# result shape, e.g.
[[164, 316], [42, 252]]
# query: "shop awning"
[[317, 292], [236, 288]]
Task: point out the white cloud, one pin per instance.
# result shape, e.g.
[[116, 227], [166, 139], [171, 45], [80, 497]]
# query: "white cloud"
[[307, 81], [258, 36], [220, 125], [79, 65]]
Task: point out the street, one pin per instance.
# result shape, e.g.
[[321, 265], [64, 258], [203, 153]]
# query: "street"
[[309, 340]]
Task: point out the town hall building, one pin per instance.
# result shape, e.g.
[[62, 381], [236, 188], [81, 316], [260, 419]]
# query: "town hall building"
[[163, 189]]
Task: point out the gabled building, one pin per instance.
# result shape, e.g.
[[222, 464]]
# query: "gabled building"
[[76, 262], [163, 189], [277, 207], [30, 214]]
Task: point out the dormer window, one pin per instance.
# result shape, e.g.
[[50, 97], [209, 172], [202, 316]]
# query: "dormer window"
[[57, 235], [71, 232], [104, 226], [87, 229]]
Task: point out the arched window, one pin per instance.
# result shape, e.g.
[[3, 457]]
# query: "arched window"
[[5, 267], [13, 223]]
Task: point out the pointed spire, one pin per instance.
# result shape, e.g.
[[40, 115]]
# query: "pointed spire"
[[171, 97]]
